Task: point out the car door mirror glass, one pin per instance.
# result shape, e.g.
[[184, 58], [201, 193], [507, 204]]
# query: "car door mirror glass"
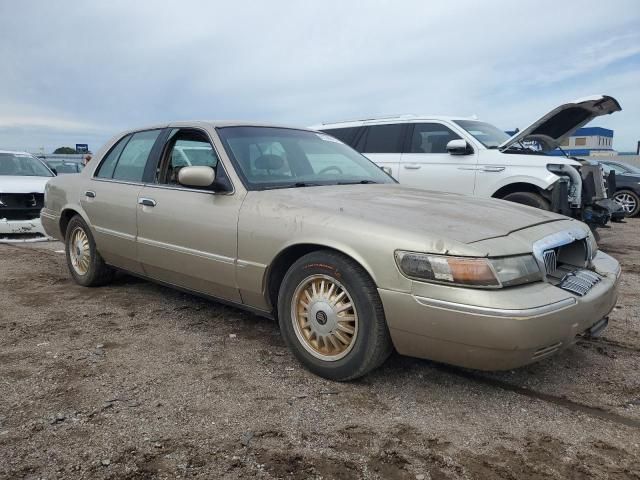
[[458, 147], [196, 176]]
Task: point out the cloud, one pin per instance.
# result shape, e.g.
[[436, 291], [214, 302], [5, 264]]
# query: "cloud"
[[90, 69]]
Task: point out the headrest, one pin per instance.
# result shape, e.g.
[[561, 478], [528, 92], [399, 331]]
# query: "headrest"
[[269, 162]]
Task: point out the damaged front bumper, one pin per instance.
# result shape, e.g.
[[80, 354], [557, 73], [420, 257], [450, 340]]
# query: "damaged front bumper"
[[22, 231]]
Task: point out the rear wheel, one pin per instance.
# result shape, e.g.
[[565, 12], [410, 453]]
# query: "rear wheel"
[[629, 201], [528, 198], [85, 263], [331, 316]]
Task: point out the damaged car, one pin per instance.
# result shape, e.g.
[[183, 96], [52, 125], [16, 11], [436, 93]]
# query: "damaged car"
[[294, 225], [22, 181], [465, 155]]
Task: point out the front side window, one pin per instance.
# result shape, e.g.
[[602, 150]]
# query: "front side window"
[[384, 138], [431, 138], [269, 157], [133, 159], [188, 149], [485, 133], [22, 165]]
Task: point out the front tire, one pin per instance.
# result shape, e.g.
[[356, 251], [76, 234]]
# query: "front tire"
[[331, 316], [528, 198], [629, 201], [85, 263]]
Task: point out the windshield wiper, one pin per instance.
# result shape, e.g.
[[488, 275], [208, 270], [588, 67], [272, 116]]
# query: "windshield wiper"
[[293, 185], [362, 182]]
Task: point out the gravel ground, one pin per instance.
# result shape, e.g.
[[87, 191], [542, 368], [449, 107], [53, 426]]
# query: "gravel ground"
[[135, 380]]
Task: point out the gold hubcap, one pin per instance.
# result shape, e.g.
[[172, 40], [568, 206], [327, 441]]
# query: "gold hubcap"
[[324, 317], [79, 251]]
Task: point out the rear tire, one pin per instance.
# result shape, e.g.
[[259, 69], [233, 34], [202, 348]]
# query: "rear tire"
[[331, 316], [85, 263], [528, 198]]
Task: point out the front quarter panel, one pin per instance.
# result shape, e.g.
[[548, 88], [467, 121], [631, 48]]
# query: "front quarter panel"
[[269, 223]]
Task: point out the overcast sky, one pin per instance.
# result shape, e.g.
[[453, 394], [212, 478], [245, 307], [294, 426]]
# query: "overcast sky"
[[79, 72]]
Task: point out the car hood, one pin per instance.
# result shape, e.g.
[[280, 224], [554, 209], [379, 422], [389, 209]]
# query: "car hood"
[[23, 184], [429, 214], [551, 129]]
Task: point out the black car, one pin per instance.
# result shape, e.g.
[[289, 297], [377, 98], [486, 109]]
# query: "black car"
[[627, 193]]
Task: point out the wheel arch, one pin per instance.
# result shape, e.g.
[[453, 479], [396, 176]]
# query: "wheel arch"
[[66, 214], [518, 187], [289, 255]]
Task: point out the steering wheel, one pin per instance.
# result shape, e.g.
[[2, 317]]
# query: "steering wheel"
[[329, 168]]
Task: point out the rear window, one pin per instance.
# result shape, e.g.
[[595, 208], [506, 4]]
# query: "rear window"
[[384, 138], [127, 160], [346, 135]]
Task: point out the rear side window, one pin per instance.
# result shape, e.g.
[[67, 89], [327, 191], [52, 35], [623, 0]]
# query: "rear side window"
[[109, 164], [130, 166], [346, 135], [431, 138], [384, 138]]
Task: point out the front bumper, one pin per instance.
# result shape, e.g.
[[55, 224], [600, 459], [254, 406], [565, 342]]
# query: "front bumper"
[[496, 329], [22, 231]]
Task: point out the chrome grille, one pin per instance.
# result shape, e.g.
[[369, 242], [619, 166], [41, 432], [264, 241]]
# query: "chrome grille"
[[550, 258], [580, 281]]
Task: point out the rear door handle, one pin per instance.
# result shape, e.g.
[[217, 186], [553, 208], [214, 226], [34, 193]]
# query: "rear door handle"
[[147, 202], [411, 166], [90, 194]]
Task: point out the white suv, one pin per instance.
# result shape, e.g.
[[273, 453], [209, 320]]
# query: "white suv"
[[464, 155]]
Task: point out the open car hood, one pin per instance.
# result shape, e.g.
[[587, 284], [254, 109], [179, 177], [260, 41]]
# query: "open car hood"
[[550, 130]]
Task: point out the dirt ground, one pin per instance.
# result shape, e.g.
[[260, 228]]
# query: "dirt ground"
[[135, 380]]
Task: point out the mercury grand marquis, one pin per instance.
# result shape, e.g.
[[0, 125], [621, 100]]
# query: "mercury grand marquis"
[[294, 225]]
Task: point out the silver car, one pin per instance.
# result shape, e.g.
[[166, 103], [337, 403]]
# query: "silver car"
[[294, 225]]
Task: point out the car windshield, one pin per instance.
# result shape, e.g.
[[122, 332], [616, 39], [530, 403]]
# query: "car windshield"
[[22, 165], [269, 157], [485, 133]]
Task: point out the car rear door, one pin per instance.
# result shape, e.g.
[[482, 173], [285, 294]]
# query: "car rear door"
[[187, 237], [426, 164], [110, 198]]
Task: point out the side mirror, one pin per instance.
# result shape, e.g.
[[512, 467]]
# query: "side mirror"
[[55, 172], [198, 177], [459, 147]]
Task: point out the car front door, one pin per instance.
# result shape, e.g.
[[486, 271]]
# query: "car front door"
[[110, 198], [426, 164], [187, 237]]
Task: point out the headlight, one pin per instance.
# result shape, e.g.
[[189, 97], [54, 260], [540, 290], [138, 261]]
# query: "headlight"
[[592, 246], [469, 271]]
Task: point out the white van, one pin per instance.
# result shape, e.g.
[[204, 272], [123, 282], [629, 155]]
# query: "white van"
[[464, 155]]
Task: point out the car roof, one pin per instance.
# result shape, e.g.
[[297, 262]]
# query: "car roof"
[[404, 118], [210, 123]]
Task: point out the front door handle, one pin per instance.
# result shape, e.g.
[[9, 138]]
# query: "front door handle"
[[412, 166], [90, 194], [493, 169], [147, 202]]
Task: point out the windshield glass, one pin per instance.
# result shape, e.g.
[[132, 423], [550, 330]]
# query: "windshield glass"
[[268, 157], [22, 165], [485, 133]]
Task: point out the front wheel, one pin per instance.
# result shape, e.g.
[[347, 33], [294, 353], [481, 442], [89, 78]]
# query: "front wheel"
[[331, 316], [629, 201], [85, 263], [528, 198]]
